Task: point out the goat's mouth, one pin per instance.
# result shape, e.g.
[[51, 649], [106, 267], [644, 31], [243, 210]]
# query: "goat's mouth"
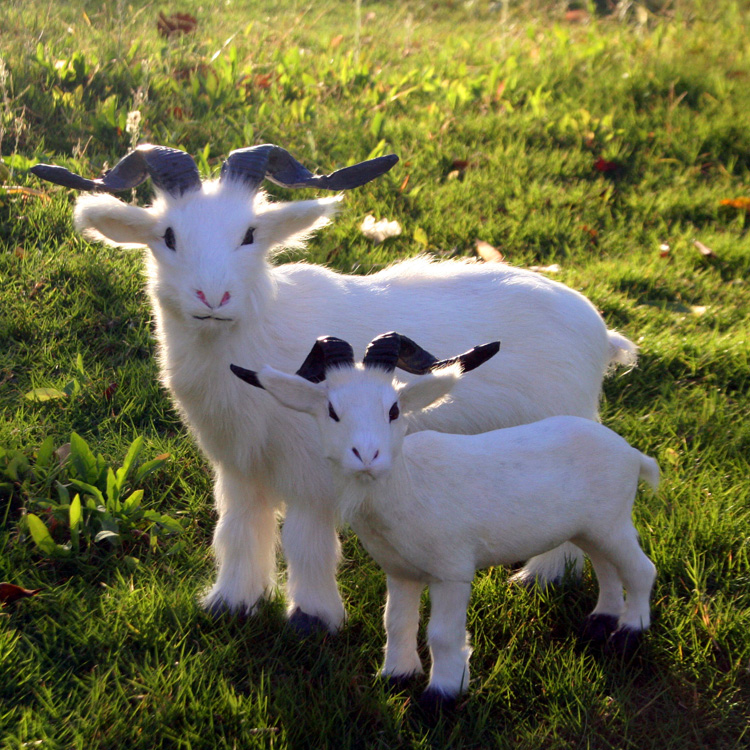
[[213, 317]]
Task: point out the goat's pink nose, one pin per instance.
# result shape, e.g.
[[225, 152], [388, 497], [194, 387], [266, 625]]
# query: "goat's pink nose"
[[202, 297]]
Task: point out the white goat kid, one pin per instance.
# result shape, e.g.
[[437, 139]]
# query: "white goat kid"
[[216, 298], [433, 507]]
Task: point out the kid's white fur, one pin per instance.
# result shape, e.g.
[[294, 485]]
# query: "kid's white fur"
[[432, 508]]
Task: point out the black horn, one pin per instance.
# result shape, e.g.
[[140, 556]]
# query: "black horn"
[[254, 164], [391, 350], [327, 352], [249, 376], [170, 169]]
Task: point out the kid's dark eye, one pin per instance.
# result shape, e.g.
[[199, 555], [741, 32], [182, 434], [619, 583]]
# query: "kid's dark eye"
[[332, 414], [248, 239], [169, 238], [393, 413]]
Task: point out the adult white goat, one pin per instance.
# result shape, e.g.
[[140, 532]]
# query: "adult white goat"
[[433, 507], [216, 298]]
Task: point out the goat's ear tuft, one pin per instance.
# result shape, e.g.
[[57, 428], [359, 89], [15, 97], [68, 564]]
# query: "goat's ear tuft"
[[429, 390], [293, 391], [106, 219], [289, 224]]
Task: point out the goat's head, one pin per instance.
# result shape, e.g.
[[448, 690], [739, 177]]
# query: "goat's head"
[[361, 409], [209, 240]]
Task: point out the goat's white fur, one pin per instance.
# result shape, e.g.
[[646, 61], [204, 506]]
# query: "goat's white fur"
[[556, 349], [433, 507]]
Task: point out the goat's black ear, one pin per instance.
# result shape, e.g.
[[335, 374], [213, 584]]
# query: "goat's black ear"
[[249, 376]]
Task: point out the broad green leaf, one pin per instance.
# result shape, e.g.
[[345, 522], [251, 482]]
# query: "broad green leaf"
[[136, 447], [89, 489], [83, 459], [420, 236], [44, 394], [44, 454], [150, 467], [113, 536], [113, 491], [42, 538], [75, 513], [133, 500]]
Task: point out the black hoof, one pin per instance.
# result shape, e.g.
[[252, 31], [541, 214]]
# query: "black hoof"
[[434, 702], [598, 628], [306, 625], [397, 682], [219, 609], [624, 642]]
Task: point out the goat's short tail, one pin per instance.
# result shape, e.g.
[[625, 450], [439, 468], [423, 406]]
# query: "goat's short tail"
[[649, 472], [622, 351]]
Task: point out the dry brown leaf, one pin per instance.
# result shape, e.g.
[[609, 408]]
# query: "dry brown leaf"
[[576, 16], [488, 253], [336, 41], [9, 593], [177, 23]]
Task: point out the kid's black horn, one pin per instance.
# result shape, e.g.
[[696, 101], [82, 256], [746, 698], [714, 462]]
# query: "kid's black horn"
[[391, 350], [327, 352]]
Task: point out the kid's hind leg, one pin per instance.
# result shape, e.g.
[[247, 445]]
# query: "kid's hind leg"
[[637, 573], [610, 605]]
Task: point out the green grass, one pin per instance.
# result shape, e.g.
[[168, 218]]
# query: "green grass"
[[115, 651]]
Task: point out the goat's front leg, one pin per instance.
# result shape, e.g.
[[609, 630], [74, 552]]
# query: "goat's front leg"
[[244, 544], [448, 641], [312, 550], [401, 626]]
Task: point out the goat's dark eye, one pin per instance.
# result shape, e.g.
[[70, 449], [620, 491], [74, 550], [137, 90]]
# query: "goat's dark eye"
[[331, 413], [393, 413], [169, 238], [248, 239]]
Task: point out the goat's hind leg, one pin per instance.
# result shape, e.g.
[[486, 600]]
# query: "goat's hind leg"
[[244, 544]]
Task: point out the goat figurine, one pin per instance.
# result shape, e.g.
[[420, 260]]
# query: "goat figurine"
[[216, 297], [432, 508]]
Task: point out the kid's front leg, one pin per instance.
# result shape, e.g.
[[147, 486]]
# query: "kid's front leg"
[[448, 641], [401, 626]]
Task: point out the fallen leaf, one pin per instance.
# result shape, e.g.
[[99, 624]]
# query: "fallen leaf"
[[553, 268], [454, 175], [377, 231], [576, 16], [9, 593], [44, 394], [177, 23], [488, 253], [19, 190], [698, 309], [460, 164], [263, 80], [604, 166], [109, 391], [62, 453], [664, 250], [336, 41], [742, 202], [705, 251], [36, 289], [404, 184]]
